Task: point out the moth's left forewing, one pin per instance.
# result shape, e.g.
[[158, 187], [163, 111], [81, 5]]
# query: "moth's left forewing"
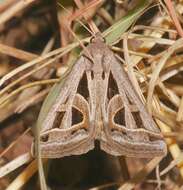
[[128, 128], [64, 121]]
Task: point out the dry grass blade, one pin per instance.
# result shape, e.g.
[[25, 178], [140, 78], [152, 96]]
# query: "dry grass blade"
[[180, 111], [14, 142], [32, 101], [22, 179], [5, 4], [3, 101], [172, 12], [130, 69], [140, 176], [153, 58], [56, 52], [172, 145], [9, 13], [14, 52], [161, 21], [156, 72], [13, 165], [177, 161]]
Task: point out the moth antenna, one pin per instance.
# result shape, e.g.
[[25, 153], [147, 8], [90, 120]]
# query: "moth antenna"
[[91, 24], [81, 44], [93, 31], [80, 22]]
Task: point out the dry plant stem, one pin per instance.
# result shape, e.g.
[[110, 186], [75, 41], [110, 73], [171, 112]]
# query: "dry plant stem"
[[5, 4], [172, 12], [173, 147], [17, 53], [106, 16], [163, 117], [150, 39], [173, 163], [161, 21], [157, 22], [104, 186], [147, 45], [130, 68], [37, 83], [15, 8], [61, 51], [178, 89], [163, 182], [171, 142], [124, 168], [153, 81], [22, 179], [80, 42], [32, 101], [20, 104], [70, 20], [171, 73], [16, 163], [143, 55], [83, 9], [180, 111], [172, 67], [174, 99], [86, 16], [27, 74], [156, 28], [140, 176], [175, 135], [39, 159], [158, 177], [48, 46], [14, 142]]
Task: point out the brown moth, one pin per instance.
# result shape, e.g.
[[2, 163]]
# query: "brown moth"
[[98, 102]]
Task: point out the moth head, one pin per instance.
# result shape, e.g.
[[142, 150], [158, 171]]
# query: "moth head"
[[97, 37], [99, 55]]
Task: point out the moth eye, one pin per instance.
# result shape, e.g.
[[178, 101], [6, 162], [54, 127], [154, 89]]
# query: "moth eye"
[[77, 116], [93, 38], [119, 117], [103, 39]]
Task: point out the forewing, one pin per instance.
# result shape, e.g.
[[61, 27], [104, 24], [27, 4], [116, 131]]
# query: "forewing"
[[66, 128], [128, 128]]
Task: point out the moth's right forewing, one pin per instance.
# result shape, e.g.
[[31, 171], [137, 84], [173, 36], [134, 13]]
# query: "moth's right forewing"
[[129, 129], [64, 118]]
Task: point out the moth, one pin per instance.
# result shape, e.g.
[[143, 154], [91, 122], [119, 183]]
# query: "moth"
[[97, 102]]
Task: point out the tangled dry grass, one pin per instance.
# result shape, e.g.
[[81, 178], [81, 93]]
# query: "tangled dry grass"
[[39, 40]]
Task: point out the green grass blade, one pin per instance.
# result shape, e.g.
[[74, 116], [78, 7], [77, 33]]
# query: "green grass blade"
[[114, 32]]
